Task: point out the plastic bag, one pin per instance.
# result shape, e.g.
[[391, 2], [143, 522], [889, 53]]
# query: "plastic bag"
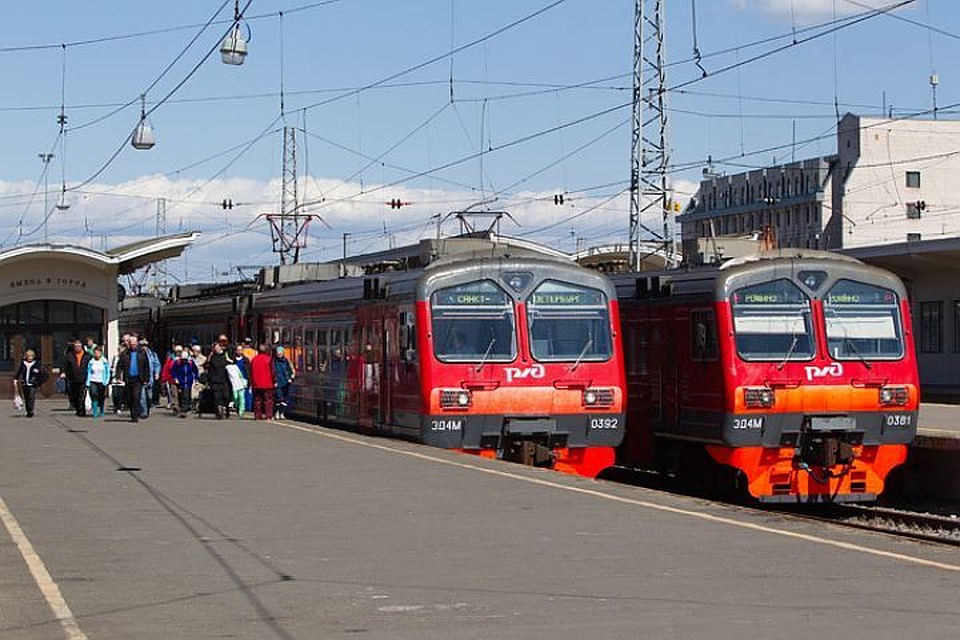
[[61, 385], [87, 403], [17, 403]]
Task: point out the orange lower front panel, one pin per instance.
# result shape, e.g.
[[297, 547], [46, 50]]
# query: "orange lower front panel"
[[772, 474], [580, 461]]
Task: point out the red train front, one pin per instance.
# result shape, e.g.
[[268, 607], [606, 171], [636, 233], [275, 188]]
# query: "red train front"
[[521, 360], [510, 357], [796, 372]]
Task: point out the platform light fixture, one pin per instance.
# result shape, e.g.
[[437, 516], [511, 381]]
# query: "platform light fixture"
[[143, 137], [233, 50]]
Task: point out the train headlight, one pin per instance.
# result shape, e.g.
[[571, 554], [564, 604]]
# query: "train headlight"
[[894, 395], [455, 398], [758, 397], [598, 397]]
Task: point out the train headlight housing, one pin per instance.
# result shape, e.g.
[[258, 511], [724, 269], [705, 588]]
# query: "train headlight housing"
[[758, 397], [455, 399], [896, 396], [598, 397]]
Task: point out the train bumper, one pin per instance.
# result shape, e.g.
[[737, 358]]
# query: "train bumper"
[[581, 444], [778, 475]]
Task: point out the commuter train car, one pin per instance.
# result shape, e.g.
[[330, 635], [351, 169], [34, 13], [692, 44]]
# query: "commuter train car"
[[515, 356], [794, 372]]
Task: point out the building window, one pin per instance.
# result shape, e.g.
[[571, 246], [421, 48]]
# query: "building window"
[[956, 326], [931, 327], [913, 237], [913, 211], [913, 179]]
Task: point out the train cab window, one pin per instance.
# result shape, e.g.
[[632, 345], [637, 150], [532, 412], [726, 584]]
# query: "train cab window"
[[568, 323], [772, 322], [862, 322], [473, 322]]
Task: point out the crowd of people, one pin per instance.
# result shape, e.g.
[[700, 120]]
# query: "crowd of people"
[[222, 380]]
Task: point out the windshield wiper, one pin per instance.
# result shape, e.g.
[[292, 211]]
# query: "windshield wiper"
[[848, 340], [483, 360], [856, 352], [586, 346], [793, 345]]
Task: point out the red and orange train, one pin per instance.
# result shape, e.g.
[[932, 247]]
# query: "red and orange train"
[[511, 356], [789, 375], [793, 372]]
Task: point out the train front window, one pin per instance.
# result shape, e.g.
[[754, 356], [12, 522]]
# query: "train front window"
[[568, 323], [772, 322], [473, 322], [863, 322]]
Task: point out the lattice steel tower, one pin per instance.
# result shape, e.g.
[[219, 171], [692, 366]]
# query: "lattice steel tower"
[[650, 155], [288, 229]]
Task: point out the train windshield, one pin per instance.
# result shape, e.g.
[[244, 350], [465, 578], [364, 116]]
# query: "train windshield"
[[772, 322], [863, 322], [473, 322], [569, 323]]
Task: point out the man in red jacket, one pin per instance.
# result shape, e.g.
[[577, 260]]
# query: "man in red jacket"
[[263, 383]]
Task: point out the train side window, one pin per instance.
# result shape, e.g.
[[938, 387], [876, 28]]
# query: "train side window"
[[309, 349], [408, 337], [298, 348], [348, 340], [703, 335], [323, 355], [336, 345]]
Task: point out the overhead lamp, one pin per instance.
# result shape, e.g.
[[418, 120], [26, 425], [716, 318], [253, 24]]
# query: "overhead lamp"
[[233, 50], [142, 137]]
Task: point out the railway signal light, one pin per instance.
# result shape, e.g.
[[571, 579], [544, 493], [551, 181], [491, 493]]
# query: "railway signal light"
[[558, 199]]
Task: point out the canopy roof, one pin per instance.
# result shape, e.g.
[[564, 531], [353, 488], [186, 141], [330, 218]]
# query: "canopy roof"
[[127, 258]]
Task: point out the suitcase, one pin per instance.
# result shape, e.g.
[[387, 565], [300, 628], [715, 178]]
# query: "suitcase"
[[205, 402]]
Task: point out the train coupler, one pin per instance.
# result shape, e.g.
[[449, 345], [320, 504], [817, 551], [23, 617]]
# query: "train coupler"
[[529, 453]]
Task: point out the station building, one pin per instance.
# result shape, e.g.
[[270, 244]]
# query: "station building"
[[54, 293]]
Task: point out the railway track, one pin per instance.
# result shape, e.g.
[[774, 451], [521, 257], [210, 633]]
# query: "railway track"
[[926, 527], [902, 522]]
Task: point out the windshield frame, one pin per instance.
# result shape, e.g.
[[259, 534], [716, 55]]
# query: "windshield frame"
[[802, 311], [857, 354], [505, 312], [597, 312]]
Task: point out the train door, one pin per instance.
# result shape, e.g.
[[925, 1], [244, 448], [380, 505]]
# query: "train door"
[[388, 370]]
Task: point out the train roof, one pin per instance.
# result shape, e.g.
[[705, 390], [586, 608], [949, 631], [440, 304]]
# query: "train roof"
[[717, 279]]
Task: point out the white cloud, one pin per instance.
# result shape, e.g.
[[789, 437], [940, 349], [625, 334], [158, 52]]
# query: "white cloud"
[[109, 215], [809, 11]]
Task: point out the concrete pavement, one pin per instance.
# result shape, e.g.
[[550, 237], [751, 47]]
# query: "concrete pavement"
[[212, 529]]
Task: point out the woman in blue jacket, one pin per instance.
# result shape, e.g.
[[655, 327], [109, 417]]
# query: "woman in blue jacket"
[[98, 378]]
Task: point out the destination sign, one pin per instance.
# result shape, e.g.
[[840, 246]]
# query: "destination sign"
[[473, 294], [846, 292], [771, 293], [558, 294]]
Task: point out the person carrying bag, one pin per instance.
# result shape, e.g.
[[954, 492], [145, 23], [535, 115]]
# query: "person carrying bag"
[[29, 378]]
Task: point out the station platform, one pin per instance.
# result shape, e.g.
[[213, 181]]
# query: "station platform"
[[939, 427], [202, 528]]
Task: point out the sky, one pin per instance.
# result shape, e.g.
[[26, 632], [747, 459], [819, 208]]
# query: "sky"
[[443, 104]]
